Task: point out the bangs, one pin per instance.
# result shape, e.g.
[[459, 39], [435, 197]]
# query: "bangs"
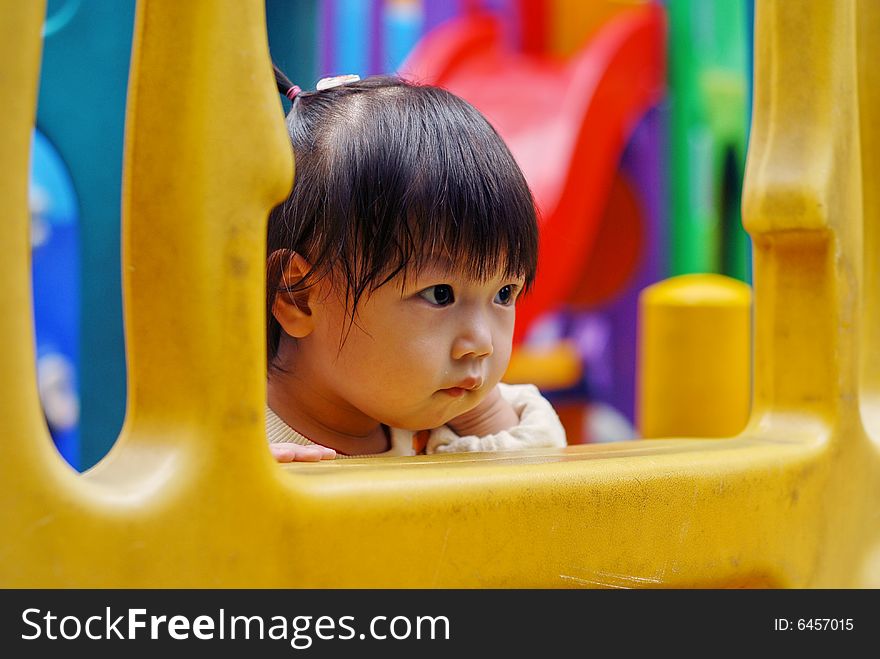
[[426, 176]]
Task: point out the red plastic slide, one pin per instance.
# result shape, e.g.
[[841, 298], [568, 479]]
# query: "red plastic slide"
[[566, 122]]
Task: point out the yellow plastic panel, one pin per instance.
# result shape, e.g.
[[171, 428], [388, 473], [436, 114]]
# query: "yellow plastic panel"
[[190, 495]]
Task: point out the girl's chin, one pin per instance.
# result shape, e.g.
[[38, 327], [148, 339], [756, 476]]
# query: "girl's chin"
[[431, 419]]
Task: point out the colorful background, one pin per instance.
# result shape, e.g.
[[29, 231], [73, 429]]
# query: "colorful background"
[[629, 118]]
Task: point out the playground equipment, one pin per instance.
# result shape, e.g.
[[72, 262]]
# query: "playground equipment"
[[189, 496], [55, 241], [709, 86], [695, 331]]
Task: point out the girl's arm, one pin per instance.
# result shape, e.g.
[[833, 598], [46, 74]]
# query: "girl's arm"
[[492, 415], [536, 424]]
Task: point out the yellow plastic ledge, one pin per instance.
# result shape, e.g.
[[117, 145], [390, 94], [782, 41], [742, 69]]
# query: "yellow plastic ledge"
[[190, 495]]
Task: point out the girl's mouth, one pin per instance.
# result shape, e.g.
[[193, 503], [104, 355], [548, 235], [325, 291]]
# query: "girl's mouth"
[[455, 392]]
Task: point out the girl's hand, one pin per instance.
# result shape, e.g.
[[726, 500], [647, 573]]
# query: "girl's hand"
[[492, 415], [299, 453]]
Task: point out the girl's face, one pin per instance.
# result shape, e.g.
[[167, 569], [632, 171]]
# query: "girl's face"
[[417, 355]]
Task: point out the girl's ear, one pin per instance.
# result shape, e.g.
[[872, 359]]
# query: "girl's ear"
[[292, 310]]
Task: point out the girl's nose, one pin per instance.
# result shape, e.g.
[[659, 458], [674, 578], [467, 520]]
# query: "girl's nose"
[[475, 340]]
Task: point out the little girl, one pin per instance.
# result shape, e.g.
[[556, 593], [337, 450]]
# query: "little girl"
[[393, 272]]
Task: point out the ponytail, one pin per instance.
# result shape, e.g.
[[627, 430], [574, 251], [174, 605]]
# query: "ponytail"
[[285, 86]]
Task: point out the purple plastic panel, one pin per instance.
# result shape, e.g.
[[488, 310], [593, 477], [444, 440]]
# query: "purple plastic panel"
[[643, 164]]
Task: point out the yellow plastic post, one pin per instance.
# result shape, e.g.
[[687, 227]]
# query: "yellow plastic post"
[[694, 357], [190, 495], [27, 455]]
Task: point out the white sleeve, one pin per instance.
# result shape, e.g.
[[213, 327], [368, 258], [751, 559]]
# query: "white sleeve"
[[539, 426]]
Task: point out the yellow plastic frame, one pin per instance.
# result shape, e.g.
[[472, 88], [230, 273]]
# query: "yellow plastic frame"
[[189, 496]]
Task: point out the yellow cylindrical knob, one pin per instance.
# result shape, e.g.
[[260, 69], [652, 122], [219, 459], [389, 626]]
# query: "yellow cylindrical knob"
[[694, 372]]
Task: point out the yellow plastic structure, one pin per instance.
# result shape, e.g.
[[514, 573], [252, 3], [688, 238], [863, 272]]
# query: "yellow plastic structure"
[[190, 495], [694, 373]]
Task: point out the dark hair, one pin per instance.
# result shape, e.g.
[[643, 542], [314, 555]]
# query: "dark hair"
[[388, 175]]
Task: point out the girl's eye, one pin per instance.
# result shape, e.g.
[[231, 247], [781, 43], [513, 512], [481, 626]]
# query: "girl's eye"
[[505, 296], [441, 295]]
